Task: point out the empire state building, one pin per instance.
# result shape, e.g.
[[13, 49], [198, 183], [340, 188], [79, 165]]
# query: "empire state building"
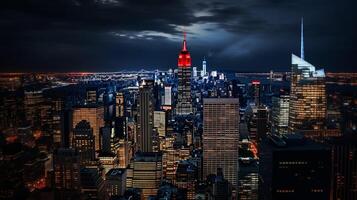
[[184, 105]]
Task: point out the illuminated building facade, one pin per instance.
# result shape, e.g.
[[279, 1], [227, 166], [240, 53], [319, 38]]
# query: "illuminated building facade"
[[147, 173], [248, 181], [345, 167], [167, 96], [115, 182], [280, 114], [33, 102], [294, 167], [186, 179], [92, 96], [66, 171], [145, 117], [256, 90], [160, 122], [83, 141], [92, 114], [204, 68], [108, 161], [57, 115], [194, 72], [170, 160], [184, 102], [119, 102], [124, 153], [221, 137], [307, 109]]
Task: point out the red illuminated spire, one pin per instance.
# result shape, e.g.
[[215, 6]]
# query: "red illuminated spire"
[[184, 59], [184, 47]]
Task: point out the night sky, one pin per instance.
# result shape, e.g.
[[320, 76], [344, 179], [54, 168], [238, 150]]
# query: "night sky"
[[113, 35]]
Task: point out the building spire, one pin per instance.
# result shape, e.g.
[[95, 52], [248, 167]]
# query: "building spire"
[[302, 40], [184, 47]]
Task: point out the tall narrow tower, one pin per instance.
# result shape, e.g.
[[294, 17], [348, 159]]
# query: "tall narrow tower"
[[302, 40], [145, 116], [184, 105], [220, 137], [307, 104], [204, 67]]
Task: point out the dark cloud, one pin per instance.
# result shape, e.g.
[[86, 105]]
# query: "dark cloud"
[[110, 35]]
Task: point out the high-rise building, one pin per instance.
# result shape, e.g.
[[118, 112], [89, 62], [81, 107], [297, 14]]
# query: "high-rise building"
[[66, 167], [221, 137], [115, 182], [83, 141], [184, 102], [307, 109], [57, 112], [92, 184], [167, 97], [170, 159], [256, 92], [262, 121], [248, 180], [92, 95], [344, 156], [94, 115], [280, 114], [107, 136], [123, 153], [204, 67], [108, 160], [147, 173], [194, 72], [119, 104], [145, 117], [33, 101], [186, 178], [160, 122], [292, 167]]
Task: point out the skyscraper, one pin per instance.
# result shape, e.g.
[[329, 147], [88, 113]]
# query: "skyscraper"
[[83, 141], [115, 182], [194, 72], [160, 122], [204, 67], [220, 137], [184, 104], [344, 167], [94, 114], [292, 167], [280, 114], [145, 116], [256, 88], [167, 102], [147, 173], [66, 172], [119, 104], [307, 109]]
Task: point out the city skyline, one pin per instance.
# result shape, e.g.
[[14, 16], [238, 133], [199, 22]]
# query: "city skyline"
[[185, 125], [96, 36]]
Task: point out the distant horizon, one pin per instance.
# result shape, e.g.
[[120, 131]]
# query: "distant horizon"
[[132, 71]]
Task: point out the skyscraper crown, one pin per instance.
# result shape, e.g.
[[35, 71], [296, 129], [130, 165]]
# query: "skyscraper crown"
[[184, 59]]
